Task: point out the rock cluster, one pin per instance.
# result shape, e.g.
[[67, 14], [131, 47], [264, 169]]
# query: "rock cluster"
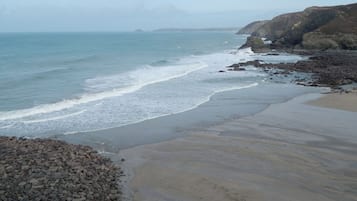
[[256, 43], [329, 68], [42, 169]]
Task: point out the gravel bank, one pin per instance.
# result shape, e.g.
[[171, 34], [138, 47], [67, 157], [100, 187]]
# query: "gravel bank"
[[43, 169]]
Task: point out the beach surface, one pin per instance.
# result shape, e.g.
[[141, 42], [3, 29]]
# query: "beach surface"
[[346, 101], [290, 151]]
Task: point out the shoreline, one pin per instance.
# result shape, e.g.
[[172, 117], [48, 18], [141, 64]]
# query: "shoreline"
[[163, 116], [221, 107], [138, 148], [176, 127], [253, 150], [134, 160]]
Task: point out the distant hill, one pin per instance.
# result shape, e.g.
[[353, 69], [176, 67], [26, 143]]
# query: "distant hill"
[[314, 28], [139, 30], [233, 29], [252, 27]]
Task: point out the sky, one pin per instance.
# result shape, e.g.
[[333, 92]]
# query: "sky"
[[128, 15]]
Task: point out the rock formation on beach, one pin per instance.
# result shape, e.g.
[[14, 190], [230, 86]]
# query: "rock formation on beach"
[[314, 28], [43, 169], [256, 43], [328, 68]]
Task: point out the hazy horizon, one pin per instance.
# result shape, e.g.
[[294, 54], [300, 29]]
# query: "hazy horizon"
[[112, 16]]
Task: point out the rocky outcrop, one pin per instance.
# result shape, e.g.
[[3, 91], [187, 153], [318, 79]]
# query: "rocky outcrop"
[[314, 28], [53, 170], [256, 43], [329, 68], [252, 27]]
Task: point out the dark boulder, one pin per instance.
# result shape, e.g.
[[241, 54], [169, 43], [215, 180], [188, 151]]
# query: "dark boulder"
[[256, 43]]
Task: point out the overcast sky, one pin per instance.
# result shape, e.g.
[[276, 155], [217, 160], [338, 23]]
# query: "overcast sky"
[[127, 15]]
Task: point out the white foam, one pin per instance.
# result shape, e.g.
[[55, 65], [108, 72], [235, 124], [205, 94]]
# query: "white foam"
[[140, 79], [7, 126], [143, 76], [244, 53], [205, 100], [71, 133], [235, 88], [53, 118]]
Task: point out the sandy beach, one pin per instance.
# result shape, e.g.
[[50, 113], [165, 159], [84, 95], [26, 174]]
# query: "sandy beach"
[[291, 151], [346, 101]]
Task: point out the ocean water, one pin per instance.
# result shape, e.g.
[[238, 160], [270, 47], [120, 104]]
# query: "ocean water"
[[64, 83]]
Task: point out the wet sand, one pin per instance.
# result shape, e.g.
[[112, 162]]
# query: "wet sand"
[[290, 151], [342, 101]]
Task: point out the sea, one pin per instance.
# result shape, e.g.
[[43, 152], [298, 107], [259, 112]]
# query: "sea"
[[65, 83]]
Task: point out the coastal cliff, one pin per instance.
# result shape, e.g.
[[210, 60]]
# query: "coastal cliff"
[[317, 28], [252, 27]]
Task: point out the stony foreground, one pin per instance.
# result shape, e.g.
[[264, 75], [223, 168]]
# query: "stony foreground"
[[53, 170]]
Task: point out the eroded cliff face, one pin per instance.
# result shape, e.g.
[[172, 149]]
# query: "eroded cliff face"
[[313, 28]]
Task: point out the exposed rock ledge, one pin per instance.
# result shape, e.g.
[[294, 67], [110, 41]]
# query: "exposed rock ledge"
[[331, 69]]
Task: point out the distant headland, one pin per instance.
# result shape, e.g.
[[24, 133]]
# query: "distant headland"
[[233, 29], [315, 28]]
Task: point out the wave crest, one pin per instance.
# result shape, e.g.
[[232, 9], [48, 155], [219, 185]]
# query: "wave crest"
[[113, 86]]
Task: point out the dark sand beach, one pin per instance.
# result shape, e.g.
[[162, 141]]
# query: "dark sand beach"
[[290, 151], [346, 101]]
